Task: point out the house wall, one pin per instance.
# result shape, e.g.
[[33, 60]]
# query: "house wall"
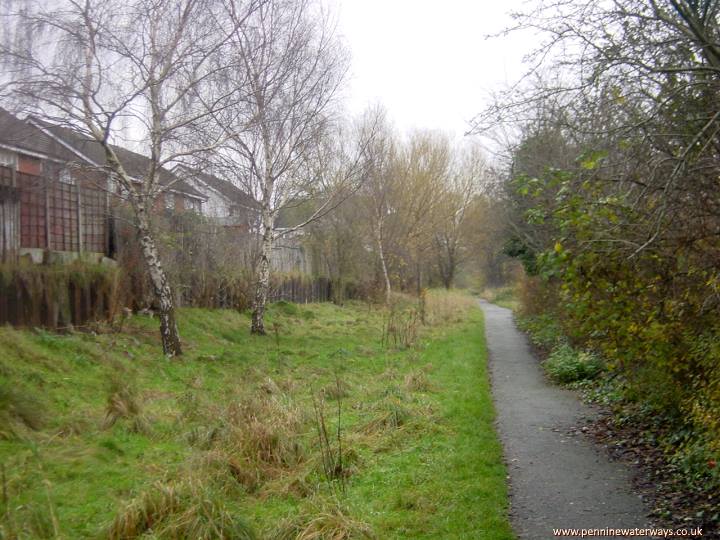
[[216, 205]]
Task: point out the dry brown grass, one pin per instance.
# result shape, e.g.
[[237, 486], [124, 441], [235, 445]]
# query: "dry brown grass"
[[184, 509], [417, 381], [124, 403], [447, 306], [323, 520]]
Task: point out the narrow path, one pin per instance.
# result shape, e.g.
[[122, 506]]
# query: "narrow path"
[[557, 480]]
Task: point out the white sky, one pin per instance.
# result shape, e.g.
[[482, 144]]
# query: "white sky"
[[428, 61]]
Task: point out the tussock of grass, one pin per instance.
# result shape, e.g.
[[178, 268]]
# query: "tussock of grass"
[[323, 520], [264, 431], [255, 439], [417, 381], [19, 409], [391, 415], [123, 403], [184, 509], [339, 389]]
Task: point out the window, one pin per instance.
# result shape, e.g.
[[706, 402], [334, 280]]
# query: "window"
[[169, 201], [7, 159], [66, 177]]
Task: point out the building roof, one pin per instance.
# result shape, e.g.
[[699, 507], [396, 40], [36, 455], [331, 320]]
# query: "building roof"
[[36, 136], [135, 164], [22, 135], [227, 189]]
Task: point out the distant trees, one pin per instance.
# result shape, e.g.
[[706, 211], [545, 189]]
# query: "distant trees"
[[410, 220]]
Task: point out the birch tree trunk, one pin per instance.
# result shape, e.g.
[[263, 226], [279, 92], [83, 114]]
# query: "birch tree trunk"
[[262, 272], [383, 264], [163, 293]]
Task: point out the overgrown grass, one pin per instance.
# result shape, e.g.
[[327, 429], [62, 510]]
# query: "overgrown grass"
[[101, 436]]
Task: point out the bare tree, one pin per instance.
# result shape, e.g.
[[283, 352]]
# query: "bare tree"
[[379, 192], [144, 67], [638, 80], [450, 234], [293, 64]]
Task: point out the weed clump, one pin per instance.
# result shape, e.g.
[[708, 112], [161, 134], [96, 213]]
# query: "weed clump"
[[123, 403], [183, 509], [19, 408], [323, 520], [566, 365]]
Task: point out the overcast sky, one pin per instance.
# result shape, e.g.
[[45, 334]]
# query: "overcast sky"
[[428, 61]]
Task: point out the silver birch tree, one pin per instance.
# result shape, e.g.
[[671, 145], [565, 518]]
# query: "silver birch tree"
[[101, 66]]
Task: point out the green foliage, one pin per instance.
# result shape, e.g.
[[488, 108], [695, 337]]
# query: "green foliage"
[[646, 312], [567, 365], [544, 331]]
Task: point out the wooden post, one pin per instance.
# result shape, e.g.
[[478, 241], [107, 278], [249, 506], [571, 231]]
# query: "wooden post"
[[79, 216], [46, 184]]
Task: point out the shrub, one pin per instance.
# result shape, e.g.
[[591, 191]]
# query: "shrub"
[[544, 331], [566, 365]]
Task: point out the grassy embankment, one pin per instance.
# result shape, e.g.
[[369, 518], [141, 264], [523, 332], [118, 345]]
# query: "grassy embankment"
[[103, 437]]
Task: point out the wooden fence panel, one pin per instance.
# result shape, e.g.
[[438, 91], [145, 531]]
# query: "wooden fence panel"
[[10, 223], [33, 211], [36, 212], [63, 212], [93, 203]]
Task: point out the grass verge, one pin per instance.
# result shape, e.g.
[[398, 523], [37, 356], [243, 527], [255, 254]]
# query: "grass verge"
[[317, 431]]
